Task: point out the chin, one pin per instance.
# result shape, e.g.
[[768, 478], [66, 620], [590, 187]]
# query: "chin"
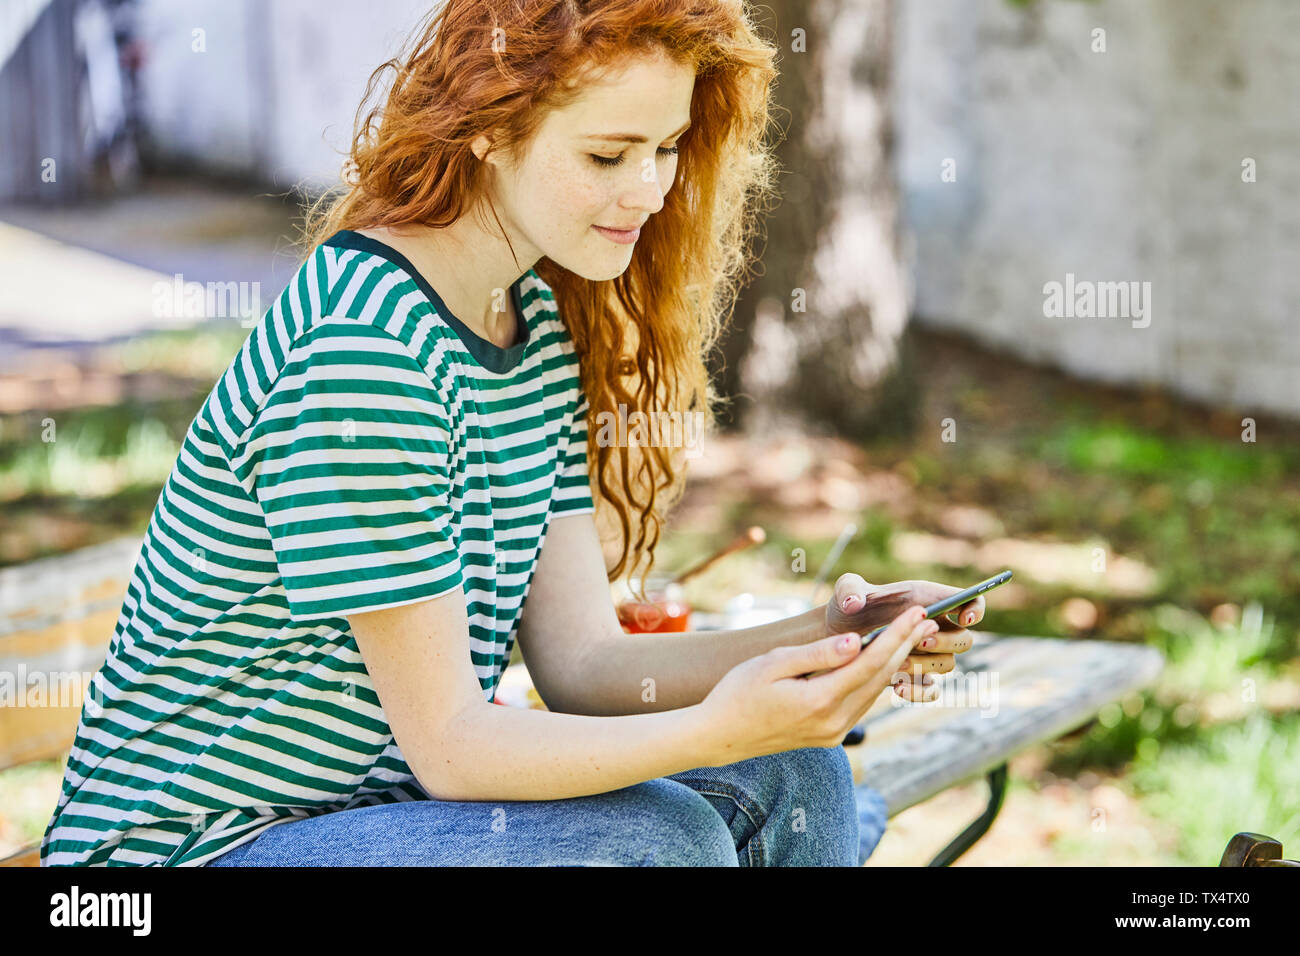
[[593, 269]]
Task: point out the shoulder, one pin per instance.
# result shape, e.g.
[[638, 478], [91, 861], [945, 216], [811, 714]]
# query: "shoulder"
[[374, 290], [335, 321]]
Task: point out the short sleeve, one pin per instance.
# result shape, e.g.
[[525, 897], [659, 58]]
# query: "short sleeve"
[[349, 460], [573, 484]]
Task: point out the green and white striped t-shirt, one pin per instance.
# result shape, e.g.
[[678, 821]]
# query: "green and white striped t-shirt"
[[363, 450]]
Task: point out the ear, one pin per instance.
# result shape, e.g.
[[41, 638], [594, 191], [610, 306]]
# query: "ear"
[[480, 146]]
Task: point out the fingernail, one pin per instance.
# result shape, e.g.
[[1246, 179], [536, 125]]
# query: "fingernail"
[[847, 641], [928, 642]]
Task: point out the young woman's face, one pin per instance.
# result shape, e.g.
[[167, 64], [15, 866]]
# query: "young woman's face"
[[598, 168]]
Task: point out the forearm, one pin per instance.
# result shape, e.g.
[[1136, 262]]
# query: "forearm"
[[489, 752], [646, 673]]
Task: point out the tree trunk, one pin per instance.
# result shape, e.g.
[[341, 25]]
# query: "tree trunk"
[[815, 342]]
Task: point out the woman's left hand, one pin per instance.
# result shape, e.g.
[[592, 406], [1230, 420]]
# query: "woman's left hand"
[[862, 607]]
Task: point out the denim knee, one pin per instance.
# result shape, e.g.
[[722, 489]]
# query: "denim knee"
[[813, 796], [675, 826], [824, 774]]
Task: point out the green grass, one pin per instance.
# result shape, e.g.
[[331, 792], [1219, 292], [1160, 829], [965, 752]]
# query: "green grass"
[[1243, 776], [27, 797], [1219, 521], [1208, 671], [1216, 518], [201, 354], [87, 460], [71, 477], [1118, 449]]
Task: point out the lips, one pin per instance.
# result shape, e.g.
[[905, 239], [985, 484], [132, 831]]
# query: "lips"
[[621, 236]]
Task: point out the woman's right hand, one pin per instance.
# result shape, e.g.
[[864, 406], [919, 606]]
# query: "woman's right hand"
[[807, 695]]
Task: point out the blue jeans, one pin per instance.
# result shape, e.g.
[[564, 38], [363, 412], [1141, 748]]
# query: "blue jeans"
[[795, 808]]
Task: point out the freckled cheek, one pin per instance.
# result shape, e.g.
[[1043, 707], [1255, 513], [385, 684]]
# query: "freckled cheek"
[[580, 191], [567, 199], [578, 201]]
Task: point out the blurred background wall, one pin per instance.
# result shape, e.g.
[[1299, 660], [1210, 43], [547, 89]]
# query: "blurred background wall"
[[1115, 165], [1028, 147], [278, 104]]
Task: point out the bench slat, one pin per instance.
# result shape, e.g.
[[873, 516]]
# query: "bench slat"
[[57, 618], [40, 593], [27, 856]]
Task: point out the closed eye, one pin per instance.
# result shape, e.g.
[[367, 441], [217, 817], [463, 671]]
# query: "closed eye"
[[611, 161]]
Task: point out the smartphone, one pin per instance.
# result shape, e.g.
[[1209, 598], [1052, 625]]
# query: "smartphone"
[[948, 603]]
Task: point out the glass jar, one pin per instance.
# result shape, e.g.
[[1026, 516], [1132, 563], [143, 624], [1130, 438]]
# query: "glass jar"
[[664, 611]]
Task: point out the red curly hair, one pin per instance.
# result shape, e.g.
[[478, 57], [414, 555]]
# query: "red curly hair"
[[411, 162]]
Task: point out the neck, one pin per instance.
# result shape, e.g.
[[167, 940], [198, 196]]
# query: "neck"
[[471, 268]]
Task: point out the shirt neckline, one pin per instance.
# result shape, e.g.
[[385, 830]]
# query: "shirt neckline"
[[488, 354]]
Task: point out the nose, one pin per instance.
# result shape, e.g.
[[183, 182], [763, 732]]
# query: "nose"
[[644, 195]]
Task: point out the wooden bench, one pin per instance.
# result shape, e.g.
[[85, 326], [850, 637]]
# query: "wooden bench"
[[57, 616]]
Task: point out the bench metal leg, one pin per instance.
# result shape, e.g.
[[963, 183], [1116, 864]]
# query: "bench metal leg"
[[966, 839]]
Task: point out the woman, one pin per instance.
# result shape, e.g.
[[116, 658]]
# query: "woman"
[[334, 575]]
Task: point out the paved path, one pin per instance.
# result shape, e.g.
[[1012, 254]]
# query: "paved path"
[[81, 276]]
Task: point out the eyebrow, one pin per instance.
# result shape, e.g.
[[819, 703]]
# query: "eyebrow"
[[632, 137]]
